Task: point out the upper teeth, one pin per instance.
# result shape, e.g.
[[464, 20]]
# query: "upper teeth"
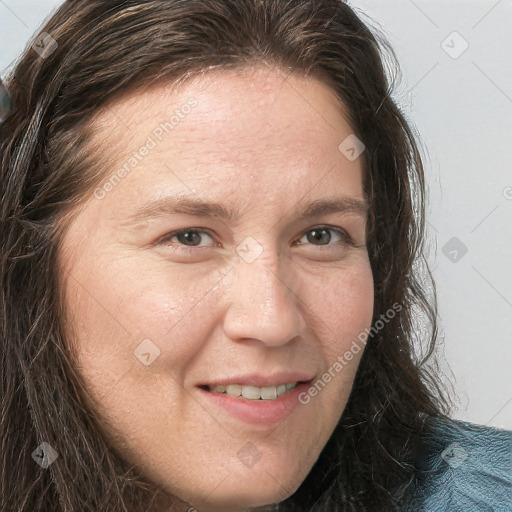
[[253, 392]]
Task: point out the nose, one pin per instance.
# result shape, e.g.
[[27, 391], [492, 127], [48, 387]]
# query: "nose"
[[263, 307]]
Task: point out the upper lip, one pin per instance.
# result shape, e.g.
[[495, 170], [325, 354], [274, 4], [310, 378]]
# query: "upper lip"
[[260, 380]]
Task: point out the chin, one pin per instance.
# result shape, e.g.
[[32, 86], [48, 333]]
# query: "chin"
[[250, 491]]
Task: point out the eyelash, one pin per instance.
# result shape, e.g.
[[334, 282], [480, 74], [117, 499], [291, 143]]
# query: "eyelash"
[[188, 249]]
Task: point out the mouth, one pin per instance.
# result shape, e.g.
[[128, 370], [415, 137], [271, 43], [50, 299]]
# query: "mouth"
[[264, 394], [250, 404]]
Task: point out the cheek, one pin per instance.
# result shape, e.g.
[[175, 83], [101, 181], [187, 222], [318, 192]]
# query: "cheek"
[[344, 311], [123, 308], [344, 305], [125, 302]]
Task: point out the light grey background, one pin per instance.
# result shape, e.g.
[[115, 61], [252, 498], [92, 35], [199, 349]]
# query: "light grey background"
[[461, 104]]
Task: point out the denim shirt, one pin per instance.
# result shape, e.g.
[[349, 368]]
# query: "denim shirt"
[[462, 467]]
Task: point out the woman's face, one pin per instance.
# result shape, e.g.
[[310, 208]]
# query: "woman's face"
[[272, 294]]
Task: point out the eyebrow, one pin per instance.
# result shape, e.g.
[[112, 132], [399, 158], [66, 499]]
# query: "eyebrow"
[[191, 205]]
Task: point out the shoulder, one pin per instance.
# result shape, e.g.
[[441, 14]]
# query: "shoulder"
[[462, 467]]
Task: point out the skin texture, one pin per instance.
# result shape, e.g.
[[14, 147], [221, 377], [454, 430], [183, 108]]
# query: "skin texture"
[[266, 145]]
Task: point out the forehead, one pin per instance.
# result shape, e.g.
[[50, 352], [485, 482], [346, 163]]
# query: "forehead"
[[249, 107], [254, 130]]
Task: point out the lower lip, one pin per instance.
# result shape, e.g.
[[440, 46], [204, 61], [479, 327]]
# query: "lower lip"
[[258, 411]]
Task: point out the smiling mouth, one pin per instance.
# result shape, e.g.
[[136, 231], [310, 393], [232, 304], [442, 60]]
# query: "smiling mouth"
[[267, 393]]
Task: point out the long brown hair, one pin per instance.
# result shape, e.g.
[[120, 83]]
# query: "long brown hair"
[[102, 49]]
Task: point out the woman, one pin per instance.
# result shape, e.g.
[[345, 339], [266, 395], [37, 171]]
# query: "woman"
[[180, 330]]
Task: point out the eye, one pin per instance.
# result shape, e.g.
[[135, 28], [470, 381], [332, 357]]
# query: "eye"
[[190, 238], [322, 235], [185, 236]]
